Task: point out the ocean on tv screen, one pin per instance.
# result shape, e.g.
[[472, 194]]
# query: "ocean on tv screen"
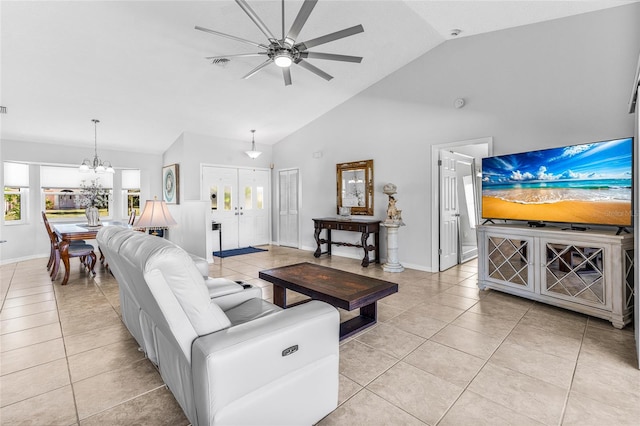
[[588, 183]]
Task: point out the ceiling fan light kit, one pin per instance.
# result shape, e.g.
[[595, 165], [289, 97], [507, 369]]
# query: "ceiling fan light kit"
[[283, 59], [285, 51]]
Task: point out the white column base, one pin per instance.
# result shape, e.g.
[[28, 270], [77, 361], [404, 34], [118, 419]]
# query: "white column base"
[[392, 264]]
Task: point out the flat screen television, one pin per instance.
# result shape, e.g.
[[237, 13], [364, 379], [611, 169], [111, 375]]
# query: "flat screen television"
[[589, 183]]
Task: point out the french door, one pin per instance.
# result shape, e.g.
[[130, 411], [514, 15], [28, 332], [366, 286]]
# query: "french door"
[[239, 201]]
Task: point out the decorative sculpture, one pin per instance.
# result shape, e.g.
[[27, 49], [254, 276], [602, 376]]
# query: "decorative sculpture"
[[392, 223], [394, 216]]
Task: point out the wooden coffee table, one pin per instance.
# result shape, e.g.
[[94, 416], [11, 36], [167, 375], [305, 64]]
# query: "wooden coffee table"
[[341, 289]]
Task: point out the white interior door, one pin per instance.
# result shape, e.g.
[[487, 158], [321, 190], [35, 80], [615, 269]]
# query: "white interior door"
[[288, 208], [449, 213], [220, 186], [253, 207]]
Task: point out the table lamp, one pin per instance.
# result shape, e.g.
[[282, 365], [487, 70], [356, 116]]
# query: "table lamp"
[[155, 216]]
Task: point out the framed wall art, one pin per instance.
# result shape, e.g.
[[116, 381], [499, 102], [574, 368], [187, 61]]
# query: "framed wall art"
[[171, 184]]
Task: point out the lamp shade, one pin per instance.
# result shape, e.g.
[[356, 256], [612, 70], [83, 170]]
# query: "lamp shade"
[[155, 216]]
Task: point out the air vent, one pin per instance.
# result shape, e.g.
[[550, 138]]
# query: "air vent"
[[221, 62], [3, 110]]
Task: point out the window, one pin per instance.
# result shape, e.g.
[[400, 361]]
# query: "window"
[[63, 195], [68, 203], [16, 181], [131, 191], [133, 201], [14, 209], [260, 198], [248, 198]]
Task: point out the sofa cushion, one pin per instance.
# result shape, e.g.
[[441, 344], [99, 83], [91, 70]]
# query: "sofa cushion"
[[186, 283]]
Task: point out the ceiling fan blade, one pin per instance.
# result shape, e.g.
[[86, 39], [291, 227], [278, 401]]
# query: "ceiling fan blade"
[[286, 73], [256, 20], [206, 30], [306, 65], [239, 55], [330, 37], [301, 19], [258, 68], [331, 57]]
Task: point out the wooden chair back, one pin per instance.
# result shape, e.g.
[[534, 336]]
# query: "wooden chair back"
[[52, 235]]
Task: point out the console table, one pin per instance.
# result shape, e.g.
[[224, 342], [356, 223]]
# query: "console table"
[[364, 226]]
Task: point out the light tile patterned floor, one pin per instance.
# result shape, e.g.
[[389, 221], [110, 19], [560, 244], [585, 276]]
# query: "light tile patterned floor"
[[443, 353]]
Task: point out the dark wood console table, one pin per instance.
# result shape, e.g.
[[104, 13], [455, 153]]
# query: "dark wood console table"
[[364, 226]]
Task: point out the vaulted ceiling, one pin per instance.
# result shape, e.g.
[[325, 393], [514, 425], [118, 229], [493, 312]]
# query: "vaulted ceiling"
[[139, 67]]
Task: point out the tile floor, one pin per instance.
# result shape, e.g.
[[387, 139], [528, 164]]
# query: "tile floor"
[[443, 353]]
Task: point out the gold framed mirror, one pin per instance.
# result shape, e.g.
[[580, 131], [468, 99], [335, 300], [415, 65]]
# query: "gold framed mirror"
[[355, 187]]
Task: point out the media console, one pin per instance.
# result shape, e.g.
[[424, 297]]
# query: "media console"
[[589, 271]]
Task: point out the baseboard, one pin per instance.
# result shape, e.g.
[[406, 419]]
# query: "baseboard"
[[23, 259]]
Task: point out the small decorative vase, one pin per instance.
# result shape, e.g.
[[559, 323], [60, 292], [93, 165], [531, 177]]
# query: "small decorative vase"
[[93, 216]]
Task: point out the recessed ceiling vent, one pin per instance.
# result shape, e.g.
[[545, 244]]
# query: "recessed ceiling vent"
[[221, 62]]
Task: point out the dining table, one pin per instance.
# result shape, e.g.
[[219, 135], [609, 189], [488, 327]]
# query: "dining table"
[[68, 232]]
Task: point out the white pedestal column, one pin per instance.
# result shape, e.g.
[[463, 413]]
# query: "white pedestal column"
[[392, 264]]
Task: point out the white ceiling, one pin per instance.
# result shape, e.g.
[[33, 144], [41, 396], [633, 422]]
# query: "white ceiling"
[[139, 67]]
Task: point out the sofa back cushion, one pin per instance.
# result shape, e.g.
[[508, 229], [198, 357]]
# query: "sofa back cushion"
[[187, 285]]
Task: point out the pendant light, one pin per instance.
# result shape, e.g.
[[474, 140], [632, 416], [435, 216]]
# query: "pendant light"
[[253, 154], [97, 165]]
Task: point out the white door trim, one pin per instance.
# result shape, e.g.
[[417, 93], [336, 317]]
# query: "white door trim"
[[435, 195]]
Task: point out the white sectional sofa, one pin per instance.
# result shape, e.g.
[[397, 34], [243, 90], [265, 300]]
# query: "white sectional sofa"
[[228, 356]]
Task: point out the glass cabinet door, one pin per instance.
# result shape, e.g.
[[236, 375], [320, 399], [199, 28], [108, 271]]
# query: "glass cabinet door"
[[509, 261], [575, 272]]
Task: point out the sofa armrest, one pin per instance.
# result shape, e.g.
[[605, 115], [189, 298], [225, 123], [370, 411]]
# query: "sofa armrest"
[[221, 287], [232, 300], [201, 264], [288, 344]]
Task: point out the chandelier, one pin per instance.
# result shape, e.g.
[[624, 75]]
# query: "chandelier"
[[253, 154], [97, 165]]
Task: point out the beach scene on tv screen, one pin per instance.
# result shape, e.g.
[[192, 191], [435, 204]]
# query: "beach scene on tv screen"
[[588, 184]]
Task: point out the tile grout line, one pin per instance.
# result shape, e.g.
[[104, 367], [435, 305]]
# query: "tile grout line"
[[573, 374], [466, 388]]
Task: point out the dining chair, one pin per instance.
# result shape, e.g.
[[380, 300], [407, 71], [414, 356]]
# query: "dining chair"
[[53, 245], [132, 218], [76, 249]]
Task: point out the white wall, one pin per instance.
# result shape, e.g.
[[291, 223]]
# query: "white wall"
[[191, 151], [550, 84], [30, 239]]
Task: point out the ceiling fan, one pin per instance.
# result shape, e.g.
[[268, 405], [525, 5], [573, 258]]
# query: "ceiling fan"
[[287, 51]]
